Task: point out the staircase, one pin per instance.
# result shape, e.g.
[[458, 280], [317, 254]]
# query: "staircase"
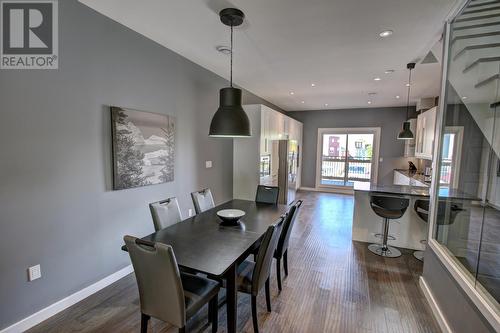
[[474, 67]]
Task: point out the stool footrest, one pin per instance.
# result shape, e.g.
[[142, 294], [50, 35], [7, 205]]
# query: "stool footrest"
[[384, 251]]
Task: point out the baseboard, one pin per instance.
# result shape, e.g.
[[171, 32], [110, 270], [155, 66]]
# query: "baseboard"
[[436, 311], [65, 303]]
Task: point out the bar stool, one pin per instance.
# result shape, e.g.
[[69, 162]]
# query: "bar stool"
[[421, 207], [389, 208]]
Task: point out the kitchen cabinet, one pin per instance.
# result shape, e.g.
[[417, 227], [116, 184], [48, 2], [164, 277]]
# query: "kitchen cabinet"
[[255, 159], [426, 125]]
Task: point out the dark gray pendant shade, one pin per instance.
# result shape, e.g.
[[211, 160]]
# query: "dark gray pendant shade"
[[406, 133], [230, 120]]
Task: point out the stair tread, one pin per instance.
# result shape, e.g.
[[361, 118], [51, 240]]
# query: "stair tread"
[[475, 47], [480, 60], [483, 34], [465, 19], [486, 81], [473, 5], [479, 25], [480, 10]]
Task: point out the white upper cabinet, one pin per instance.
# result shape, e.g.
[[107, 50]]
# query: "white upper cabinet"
[[426, 126]]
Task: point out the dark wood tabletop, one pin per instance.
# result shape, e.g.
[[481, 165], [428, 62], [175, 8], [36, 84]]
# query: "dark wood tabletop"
[[202, 244]]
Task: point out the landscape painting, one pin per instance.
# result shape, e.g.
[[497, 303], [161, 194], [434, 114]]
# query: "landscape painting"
[[143, 148]]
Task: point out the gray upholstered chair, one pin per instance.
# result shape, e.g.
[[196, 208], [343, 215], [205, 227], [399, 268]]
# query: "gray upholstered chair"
[[282, 248], [164, 292], [267, 194], [252, 276], [203, 200], [165, 213]]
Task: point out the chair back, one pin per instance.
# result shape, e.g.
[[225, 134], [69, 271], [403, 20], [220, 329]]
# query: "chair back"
[[421, 207], [165, 213], [267, 194], [286, 230], [202, 200], [158, 278], [264, 260], [391, 206]]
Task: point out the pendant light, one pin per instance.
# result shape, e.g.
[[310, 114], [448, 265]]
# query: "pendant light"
[[230, 120], [406, 133]]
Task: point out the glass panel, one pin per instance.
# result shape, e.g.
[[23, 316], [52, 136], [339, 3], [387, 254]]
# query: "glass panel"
[[333, 164], [360, 157], [467, 212]]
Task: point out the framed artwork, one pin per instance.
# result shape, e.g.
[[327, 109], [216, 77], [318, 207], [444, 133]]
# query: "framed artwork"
[[143, 148]]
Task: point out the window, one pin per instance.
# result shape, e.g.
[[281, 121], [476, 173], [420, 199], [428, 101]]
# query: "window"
[[346, 156]]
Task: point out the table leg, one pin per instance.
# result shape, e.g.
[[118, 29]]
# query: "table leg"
[[231, 299]]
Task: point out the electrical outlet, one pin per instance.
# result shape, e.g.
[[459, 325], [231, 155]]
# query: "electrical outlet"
[[190, 212], [208, 164], [34, 272]]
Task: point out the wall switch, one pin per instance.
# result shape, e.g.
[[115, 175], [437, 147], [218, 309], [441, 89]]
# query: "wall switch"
[[34, 272], [190, 212], [208, 164]]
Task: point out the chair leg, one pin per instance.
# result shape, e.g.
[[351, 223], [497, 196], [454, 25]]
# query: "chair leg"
[[278, 272], [254, 314], [213, 308], [285, 262], [268, 296], [144, 323]]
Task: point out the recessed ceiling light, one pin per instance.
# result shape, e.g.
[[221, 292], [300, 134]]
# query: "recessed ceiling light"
[[397, 96], [302, 102], [377, 79], [386, 33], [369, 102], [326, 104], [389, 71], [223, 49], [292, 93], [465, 97], [313, 84], [407, 84]]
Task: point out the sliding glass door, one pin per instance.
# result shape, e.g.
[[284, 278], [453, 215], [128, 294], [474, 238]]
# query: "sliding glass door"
[[346, 155]]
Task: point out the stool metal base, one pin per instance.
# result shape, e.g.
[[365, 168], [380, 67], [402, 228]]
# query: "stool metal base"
[[419, 255], [389, 251]]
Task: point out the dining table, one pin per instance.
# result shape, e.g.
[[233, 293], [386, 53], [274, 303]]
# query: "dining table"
[[202, 244]]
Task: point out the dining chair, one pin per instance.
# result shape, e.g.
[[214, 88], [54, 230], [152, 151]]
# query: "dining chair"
[[267, 194], [202, 200], [252, 276], [164, 292], [282, 247], [165, 213]]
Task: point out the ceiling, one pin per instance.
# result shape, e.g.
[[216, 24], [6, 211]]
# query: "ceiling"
[[286, 45]]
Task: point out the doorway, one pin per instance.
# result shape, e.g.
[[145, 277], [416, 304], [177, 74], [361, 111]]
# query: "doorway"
[[346, 156]]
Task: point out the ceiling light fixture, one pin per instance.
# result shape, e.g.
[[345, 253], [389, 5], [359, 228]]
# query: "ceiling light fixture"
[[292, 93], [386, 33], [389, 71], [230, 120], [223, 49], [406, 133], [313, 84], [397, 96], [407, 85], [465, 97], [302, 102], [377, 79], [326, 104], [369, 102]]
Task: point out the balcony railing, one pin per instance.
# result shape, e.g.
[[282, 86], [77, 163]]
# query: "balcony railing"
[[334, 168]]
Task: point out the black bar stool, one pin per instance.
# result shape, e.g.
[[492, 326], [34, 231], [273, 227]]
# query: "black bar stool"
[[421, 207], [390, 208]]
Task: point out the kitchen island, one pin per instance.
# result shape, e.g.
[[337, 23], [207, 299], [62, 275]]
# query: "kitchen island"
[[410, 229]]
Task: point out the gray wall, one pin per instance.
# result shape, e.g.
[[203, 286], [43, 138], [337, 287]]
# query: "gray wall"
[[389, 119], [57, 208], [460, 313]]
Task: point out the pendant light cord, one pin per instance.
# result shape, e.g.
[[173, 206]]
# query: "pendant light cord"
[[408, 96], [231, 69]]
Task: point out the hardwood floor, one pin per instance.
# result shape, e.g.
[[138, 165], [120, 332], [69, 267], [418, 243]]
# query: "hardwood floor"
[[335, 285]]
